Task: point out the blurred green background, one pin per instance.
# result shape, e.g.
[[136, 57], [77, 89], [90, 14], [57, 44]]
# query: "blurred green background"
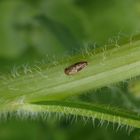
[[31, 30]]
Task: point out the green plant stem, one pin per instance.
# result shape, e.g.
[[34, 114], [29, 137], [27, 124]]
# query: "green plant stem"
[[103, 113], [50, 83]]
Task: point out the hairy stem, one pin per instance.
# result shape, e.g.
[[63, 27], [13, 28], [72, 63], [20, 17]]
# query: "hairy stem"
[[103, 113], [51, 83]]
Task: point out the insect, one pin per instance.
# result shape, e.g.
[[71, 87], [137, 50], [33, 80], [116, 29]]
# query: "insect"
[[73, 69]]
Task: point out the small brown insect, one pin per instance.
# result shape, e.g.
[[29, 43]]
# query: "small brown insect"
[[73, 69]]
